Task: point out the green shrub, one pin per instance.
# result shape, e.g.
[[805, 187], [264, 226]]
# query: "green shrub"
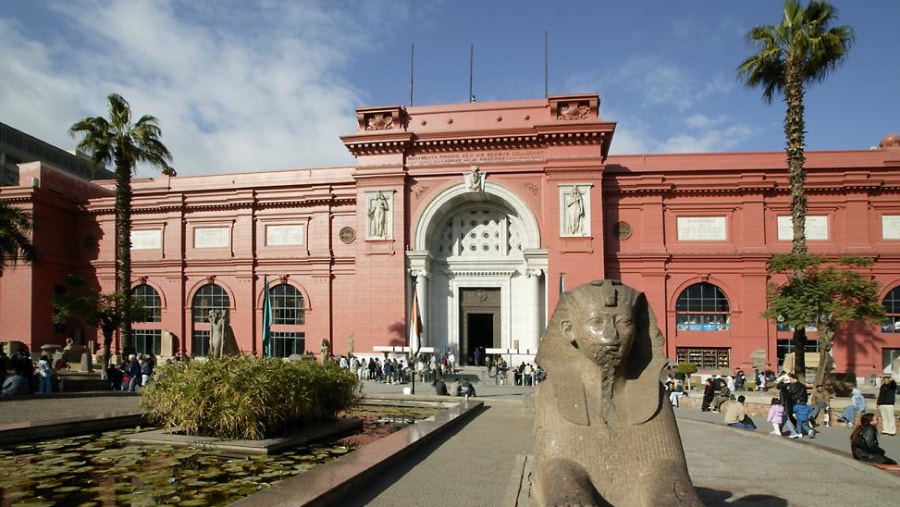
[[246, 397], [686, 368]]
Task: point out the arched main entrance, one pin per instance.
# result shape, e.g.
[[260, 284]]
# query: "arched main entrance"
[[478, 272]]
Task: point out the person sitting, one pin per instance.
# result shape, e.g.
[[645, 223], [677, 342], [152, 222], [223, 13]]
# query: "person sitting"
[[736, 417], [440, 388], [16, 385], [857, 406], [864, 442], [720, 397], [676, 394], [466, 389]]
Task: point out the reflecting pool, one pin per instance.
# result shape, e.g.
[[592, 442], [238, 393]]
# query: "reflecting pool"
[[100, 469]]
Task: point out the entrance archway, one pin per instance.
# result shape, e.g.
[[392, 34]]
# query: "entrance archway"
[[479, 271]]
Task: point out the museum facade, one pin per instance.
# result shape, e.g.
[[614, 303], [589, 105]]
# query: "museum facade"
[[481, 213]]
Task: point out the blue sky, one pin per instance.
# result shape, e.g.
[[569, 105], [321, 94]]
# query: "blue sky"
[[242, 86]]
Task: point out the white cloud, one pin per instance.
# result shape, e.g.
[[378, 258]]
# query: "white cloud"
[[236, 87], [707, 140]]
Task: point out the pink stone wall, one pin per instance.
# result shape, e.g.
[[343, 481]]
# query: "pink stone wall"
[[361, 286]]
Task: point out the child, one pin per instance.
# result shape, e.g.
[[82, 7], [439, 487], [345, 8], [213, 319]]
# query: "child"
[[776, 415], [801, 412]]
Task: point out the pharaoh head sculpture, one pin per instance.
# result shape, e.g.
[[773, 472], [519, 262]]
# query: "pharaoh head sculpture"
[[612, 329]]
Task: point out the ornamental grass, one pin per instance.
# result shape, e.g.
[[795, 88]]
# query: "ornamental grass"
[[246, 397]]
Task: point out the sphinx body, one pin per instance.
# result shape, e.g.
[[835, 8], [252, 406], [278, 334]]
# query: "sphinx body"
[[603, 433]]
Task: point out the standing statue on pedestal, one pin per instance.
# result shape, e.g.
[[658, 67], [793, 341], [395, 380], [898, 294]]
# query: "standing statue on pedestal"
[[378, 211], [574, 213], [604, 435], [216, 333], [324, 350]]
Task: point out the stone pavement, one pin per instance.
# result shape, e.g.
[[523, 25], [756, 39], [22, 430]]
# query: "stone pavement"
[[474, 465]]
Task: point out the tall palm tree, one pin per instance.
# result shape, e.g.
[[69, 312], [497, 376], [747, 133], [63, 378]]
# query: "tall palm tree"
[[15, 244], [802, 50], [122, 144]]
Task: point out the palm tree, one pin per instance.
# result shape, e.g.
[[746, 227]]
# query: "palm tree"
[[119, 143], [15, 226], [802, 50]]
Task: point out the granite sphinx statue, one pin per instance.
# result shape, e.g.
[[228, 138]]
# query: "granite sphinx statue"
[[603, 433]]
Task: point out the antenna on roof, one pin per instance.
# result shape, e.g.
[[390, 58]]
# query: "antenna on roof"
[[412, 57], [546, 64], [471, 60]]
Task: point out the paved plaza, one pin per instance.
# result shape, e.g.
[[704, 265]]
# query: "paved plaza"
[[474, 464]]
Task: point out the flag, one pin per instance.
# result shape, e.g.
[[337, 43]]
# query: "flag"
[[415, 326], [266, 320]]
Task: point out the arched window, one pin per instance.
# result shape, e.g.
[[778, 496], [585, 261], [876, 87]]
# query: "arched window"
[[150, 300], [288, 318], [702, 307], [147, 337], [892, 308], [209, 297]]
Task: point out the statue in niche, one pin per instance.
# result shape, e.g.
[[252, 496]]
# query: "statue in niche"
[[378, 214], [216, 333], [474, 180], [574, 212], [604, 435]]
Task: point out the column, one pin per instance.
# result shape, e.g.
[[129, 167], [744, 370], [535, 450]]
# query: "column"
[[422, 293], [534, 321]]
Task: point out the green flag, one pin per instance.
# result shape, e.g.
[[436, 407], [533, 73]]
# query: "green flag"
[[266, 320]]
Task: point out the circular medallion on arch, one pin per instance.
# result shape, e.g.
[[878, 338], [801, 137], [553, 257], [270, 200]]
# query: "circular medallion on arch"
[[347, 235], [622, 230]]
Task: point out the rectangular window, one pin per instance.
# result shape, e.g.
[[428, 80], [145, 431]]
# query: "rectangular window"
[[147, 341], [784, 346], [704, 358], [286, 343], [888, 356], [200, 344], [702, 322]]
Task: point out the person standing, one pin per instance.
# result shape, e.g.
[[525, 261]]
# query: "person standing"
[[708, 393], [775, 416], [45, 384], [886, 397]]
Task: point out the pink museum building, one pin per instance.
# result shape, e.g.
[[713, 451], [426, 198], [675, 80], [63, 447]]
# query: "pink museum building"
[[484, 211]]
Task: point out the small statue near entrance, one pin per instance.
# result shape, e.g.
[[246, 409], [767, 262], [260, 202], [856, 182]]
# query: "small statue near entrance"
[[216, 333], [324, 350], [474, 179], [603, 433]]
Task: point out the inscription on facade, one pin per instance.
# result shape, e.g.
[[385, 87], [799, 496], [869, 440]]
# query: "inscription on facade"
[[146, 240], [475, 157], [211, 237], [890, 227], [816, 228], [701, 229], [284, 235]]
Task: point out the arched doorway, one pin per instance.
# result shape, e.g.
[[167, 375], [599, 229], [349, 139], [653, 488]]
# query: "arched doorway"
[[478, 271]]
